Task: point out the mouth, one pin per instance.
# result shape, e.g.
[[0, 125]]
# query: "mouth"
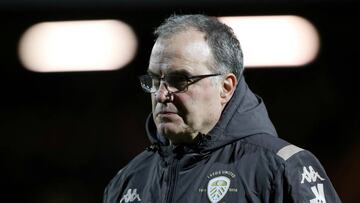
[[166, 116], [166, 113]]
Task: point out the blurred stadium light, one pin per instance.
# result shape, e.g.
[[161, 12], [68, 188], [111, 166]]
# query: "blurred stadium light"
[[277, 41], [64, 46]]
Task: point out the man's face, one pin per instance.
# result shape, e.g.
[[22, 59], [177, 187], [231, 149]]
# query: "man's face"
[[181, 116]]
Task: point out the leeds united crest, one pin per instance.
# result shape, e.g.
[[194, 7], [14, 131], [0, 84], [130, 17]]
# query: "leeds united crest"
[[217, 188]]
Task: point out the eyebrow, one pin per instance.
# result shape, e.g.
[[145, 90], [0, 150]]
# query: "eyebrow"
[[175, 72]]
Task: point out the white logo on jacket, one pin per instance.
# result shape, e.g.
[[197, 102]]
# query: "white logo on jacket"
[[310, 175], [130, 196], [318, 191], [217, 188]]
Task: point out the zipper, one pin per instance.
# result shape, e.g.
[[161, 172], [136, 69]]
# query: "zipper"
[[173, 174]]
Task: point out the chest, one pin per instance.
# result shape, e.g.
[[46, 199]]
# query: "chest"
[[214, 179]]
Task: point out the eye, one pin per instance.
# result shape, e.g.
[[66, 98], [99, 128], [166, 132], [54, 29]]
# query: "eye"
[[177, 81]]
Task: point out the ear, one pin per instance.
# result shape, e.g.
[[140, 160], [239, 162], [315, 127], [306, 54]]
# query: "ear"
[[228, 88]]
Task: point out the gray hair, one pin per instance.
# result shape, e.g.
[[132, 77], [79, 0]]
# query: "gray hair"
[[225, 47]]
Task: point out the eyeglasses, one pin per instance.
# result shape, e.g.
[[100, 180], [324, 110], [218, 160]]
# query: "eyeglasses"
[[174, 83]]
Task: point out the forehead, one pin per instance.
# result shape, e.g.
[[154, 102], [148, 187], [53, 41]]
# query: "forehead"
[[186, 51]]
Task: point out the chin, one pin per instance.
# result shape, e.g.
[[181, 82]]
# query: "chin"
[[171, 124], [176, 133], [168, 128]]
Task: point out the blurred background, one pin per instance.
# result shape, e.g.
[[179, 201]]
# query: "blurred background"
[[64, 135]]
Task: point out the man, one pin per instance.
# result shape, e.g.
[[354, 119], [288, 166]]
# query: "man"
[[212, 140]]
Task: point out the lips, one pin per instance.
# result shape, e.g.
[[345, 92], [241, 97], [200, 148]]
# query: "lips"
[[165, 117], [165, 113], [162, 110]]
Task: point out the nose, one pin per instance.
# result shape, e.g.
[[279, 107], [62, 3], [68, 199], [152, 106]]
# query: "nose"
[[163, 95]]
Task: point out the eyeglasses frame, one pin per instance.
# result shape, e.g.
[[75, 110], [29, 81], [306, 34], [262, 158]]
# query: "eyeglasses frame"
[[190, 80]]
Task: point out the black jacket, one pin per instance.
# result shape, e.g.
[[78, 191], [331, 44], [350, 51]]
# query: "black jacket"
[[240, 160]]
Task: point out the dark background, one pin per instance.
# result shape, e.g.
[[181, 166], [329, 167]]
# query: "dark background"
[[65, 135]]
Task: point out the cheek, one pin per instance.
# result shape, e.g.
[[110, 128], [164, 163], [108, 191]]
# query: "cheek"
[[200, 105], [208, 104]]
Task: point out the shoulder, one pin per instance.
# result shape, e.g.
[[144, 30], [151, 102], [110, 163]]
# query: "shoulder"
[[138, 164], [276, 156], [274, 146], [298, 175], [287, 155], [306, 177]]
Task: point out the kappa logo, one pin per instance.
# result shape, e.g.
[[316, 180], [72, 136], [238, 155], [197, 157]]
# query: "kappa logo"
[[130, 196], [310, 175], [318, 191], [217, 188]]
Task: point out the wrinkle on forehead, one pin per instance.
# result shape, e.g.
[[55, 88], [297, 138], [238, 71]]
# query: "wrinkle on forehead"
[[187, 49]]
